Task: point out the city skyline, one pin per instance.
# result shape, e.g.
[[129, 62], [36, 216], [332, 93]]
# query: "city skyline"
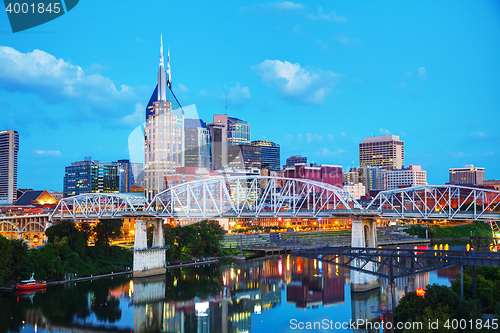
[[435, 89]]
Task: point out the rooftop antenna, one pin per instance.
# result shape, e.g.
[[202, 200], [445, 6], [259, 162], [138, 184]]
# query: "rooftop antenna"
[[226, 104]]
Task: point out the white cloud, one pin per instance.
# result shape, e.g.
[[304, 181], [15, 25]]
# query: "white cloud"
[[332, 16], [137, 117], [384, 131], [346, 41], [182, 88], [330, 137], [313, 137], [56, 81], [297, 83], [283, 6], [456, 154], [238, 95], [48, 152], [422, 72], [204, 93], [321, 43], [326, 152]]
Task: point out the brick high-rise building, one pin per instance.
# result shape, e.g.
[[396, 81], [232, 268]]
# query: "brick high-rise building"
[[467, 175]]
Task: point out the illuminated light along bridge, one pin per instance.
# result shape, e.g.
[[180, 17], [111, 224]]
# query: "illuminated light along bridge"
[[263, 196]]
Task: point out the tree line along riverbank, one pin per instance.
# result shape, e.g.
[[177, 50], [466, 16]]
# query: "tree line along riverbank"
[[68, 251]]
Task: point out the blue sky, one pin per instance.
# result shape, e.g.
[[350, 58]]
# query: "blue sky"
[[315, 77]]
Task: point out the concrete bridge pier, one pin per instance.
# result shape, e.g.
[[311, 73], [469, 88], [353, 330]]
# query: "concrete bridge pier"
[[149, 304], [364, 234], [365, 306], [149, 260]]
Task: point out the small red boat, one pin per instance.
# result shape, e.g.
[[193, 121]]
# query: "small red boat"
[[30, 285]]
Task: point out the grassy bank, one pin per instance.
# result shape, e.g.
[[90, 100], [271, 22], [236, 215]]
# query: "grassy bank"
[[477, 229]]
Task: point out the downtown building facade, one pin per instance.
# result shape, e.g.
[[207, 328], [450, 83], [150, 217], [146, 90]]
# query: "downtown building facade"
[[372, 178], [329, 174], [164, 133], [218, 145], [406, 177], [295, 159], [385, 151], [197, 144], [270, 154], [130, 175], [467, 175], [239, 132], [9, 148], [91, 177], [244, 157]]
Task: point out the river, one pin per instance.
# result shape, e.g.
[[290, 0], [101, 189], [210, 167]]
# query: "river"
[[275, 294]]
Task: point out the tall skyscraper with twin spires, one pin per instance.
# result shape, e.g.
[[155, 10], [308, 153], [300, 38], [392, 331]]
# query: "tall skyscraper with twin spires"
[[164, 132]]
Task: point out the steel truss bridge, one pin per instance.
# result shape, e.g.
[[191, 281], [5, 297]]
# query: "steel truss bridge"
[[395, 263], [269, 197]]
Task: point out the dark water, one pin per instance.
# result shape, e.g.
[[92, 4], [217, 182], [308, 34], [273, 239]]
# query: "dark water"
[[251, 296]]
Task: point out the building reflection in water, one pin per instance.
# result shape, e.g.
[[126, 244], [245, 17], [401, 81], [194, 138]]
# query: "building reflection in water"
[[221, 298]]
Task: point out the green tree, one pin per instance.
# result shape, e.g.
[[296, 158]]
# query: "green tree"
[[210, 235], [5, 259], [106, 230], [21, 265], [86, 230], [66, 228], [185, 237], [440, 302], [169, 235], [440, 315]]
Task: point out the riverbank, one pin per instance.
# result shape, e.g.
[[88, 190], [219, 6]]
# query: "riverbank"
[[443, 233]]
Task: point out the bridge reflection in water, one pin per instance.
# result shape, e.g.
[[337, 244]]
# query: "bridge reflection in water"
[[254, 296]]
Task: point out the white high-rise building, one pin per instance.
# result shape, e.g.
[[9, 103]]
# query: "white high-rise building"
[[407, 177], [9, 147], [357, 190], [164, 133]]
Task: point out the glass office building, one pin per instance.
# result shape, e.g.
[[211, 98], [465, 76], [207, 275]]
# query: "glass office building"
[[163, 134], [270, 154], [91, 177], [239, 132], [295, 159], [130, 174], [244, 157], [197, 144]]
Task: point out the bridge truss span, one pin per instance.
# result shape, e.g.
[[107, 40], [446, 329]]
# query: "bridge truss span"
[[252, 196], [441, 202], [438, 202], [98, 205]]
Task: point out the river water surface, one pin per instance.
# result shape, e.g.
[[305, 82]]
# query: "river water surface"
[[276, 294]]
